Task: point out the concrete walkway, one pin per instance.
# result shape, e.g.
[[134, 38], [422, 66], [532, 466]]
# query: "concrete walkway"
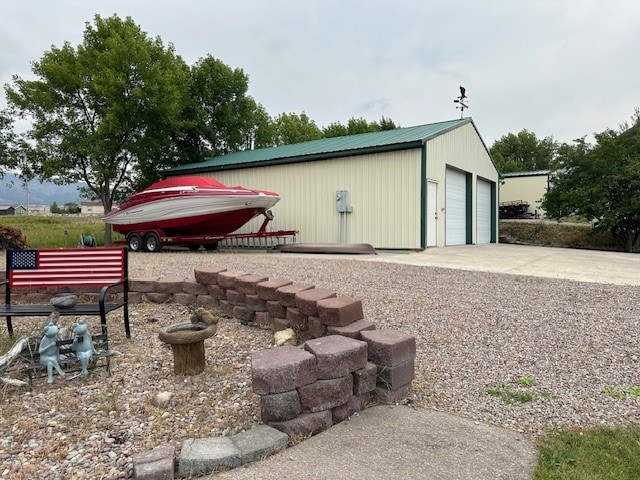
[[572, 264], [389, 442]]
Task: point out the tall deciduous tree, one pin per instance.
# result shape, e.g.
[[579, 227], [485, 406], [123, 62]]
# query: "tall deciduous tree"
[[7, 142], [295, 128], [523, 152], [357, 125], [227, 118], [601, 182], [104, 111]]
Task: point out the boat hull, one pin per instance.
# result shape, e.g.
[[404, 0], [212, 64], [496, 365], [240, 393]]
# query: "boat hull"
[[190, 211]]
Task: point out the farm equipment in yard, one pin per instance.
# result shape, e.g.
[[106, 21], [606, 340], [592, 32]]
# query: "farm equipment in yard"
[[515, 209]]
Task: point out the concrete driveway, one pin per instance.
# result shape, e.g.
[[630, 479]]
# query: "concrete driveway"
[[573, 264]]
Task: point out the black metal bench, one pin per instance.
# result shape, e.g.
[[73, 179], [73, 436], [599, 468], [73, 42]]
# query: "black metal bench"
[[68, 360], [66, 268]]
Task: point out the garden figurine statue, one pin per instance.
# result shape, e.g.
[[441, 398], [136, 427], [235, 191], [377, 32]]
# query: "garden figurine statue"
[[49, 351], [83, 345]]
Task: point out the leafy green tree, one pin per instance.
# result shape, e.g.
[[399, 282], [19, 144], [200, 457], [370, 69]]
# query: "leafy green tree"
[[226, 117], [357, 125], [103, 112], [7, 141], [387, 124], [72, 208], [602, 183], [293, 128], [335, 129], [523, 152], [54, 208]]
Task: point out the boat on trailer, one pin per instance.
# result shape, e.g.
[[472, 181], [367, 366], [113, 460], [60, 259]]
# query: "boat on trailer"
[[190, 211]]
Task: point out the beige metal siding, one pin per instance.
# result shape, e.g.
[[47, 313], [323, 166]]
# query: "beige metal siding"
[[462, 149], [384, 191], [530, 189]]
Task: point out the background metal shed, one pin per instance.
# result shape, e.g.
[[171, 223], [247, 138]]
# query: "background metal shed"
[[408, 188], [528, 187]]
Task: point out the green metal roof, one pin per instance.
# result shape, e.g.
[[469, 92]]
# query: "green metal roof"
[[388, 140], [526, 174]]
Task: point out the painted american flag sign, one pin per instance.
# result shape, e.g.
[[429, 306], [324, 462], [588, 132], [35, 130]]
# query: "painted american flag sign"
[[65, 267]]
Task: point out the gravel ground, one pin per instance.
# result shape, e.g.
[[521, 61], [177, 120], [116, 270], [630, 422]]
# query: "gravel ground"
[[571, 346]]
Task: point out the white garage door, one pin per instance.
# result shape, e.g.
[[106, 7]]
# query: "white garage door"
[[455, 208], [483, 212]]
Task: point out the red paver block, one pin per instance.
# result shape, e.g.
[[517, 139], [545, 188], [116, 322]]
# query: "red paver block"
[[296, 319], [156, 464], [194, 288], [282, 369], [383, 395], [243, 314], [287, 294], [247, 283], [389, 347], [364, 380], [217, 292], [337, 356], [353, 329], [143, 285], [227, 279], [345, 410], [264, 319], [208, 276], [135, 297], [255, 303], [280, 324], [235, 298], [269, 290], [154, 297], [325, 394], [170, 285], [393, 378], [275, 309], [340, 311], [226, 308], [307, 300], [280, 407], [316, 327], [184, 298], [207, 301], [305, 424]]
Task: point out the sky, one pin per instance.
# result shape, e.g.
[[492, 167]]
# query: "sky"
[[564, 69]]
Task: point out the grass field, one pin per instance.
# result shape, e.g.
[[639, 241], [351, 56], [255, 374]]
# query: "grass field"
[[57, 231], [601, 454]]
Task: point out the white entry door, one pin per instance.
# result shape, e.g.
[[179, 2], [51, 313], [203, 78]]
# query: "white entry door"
[[455, 207], [483, 212], [432, 214]]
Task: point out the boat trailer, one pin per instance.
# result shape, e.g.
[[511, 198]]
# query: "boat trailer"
[[154, 240]]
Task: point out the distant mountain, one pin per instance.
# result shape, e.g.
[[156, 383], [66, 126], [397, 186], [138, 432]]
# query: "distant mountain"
[[12, 192]]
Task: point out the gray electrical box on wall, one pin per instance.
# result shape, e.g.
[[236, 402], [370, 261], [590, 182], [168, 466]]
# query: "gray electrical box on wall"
[[342, 201]]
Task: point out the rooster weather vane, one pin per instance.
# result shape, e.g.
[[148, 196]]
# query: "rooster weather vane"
[[461, 101]]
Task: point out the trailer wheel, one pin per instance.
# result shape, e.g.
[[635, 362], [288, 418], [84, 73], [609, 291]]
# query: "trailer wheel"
[[151, 242], [134, 242]]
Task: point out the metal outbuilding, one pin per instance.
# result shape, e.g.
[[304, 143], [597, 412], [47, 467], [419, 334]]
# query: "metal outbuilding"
[[525, 188], [408, 188]]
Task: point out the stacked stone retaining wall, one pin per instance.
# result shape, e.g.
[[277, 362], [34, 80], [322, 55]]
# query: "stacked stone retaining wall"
[[344, 364]]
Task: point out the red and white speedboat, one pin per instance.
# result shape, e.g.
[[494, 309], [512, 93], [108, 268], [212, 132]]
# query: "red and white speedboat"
[[189, 205]]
